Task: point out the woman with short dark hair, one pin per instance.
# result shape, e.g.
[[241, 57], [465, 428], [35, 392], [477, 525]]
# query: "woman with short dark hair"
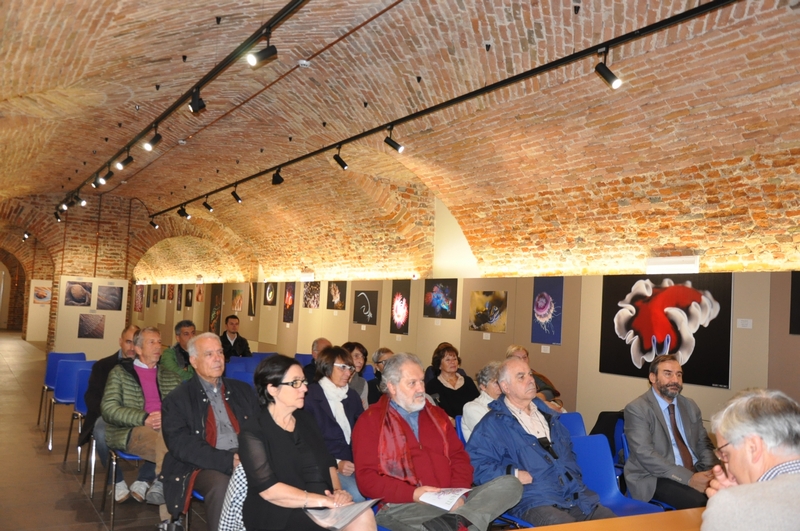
[[449, 388], [357, 381]]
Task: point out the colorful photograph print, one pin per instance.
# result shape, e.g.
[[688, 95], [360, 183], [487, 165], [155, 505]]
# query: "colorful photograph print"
[[488, 311], [163, 289], [237, 300], [138, 298], [270, 293], [365, 307], [401, 303], [441, 298], [201, 293], [251, 300], [311, 295], [179, 302], [42, 295], [548, 298], [109, 298], [155, 294], [288, 302], [189, 297], [337, 294], [215, 314], [91, 326], [78, 294], [170, 292], [686, 315]]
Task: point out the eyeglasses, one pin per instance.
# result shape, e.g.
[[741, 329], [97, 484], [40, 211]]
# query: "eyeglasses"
[[345, 367], [296, 384], [722, 457], [380, 362]]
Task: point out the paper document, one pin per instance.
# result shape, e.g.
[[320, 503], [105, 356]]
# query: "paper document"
[[444, 499], [336, 519]]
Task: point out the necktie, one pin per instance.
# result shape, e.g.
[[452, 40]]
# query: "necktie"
[[686, 456]]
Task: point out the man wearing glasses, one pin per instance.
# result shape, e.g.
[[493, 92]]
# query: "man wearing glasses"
[[758, 484], [670, 453]]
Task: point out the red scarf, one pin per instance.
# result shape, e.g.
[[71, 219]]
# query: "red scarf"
[[393, 449]]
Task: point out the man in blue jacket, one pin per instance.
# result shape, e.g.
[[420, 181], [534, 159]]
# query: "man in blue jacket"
[[522, 436]]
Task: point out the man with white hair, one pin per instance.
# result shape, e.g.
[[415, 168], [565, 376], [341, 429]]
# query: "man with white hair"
[[758, 441], [201, 420], [405, 447]]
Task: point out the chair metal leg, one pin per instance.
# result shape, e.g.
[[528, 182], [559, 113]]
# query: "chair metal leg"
[[189, 515], [50, 424], [41, 402], [69, 438], [91, 465], [112, 473], [80, 448]]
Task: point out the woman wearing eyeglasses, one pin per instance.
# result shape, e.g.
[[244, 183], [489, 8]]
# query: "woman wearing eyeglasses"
[[287, 465], [357, 381], [336, 407]]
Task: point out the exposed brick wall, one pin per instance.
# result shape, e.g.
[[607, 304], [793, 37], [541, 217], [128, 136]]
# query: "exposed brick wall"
[[16, 284]]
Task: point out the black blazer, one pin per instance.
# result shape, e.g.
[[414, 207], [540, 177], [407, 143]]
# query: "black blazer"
[[317, 404], [94, 393], [239, 348]]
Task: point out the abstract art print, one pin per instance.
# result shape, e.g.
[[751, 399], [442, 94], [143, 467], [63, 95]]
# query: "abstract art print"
[[365, 307], [337, 294], [215, 315], [146, 297], [794, 304], [79, 294], [138, 298], [311, 295], [110, 298], [488, 311], [441, 298], [163, 294], [155, 294], [237, 300], [179, 302], [251, 301], [91, 326], [270, 293], [688, 315], [170, 292], [401, 303], [200, 296], [288, 302], [189, 298], [548, 298]]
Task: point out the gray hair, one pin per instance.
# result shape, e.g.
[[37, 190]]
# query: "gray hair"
[[376, 356], [315, 344], [393, 368], [768, 413], [191, 347], [487, 374], [138, 337], [503, 373], [186, 323]]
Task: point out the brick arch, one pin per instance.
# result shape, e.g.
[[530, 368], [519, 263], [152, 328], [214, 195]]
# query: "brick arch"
[[17, 287], [34, 214]]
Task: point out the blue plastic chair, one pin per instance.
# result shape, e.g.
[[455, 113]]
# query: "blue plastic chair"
[[512, 522], [263, 355], [242, 376], [304, 359], [236, 364], [573, 421], [369, 373], [113, 456], [594, 458], [80, 411], [50, 376], [251, 364], [64, 390], [459, 431], [626, 452]]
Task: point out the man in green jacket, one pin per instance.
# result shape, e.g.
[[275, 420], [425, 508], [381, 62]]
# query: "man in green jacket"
[[131, 408], [176, 358]]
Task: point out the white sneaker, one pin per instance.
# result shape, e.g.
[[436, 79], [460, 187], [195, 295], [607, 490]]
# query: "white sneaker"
[[139, 490], [121, 492]]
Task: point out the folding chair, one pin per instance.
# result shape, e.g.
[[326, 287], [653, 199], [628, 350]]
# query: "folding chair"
[[64, 390], [50, 376], [79, 412], [195, 496], [573, 421]]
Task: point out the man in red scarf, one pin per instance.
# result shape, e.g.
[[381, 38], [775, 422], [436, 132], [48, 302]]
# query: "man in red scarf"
[[404, 447]]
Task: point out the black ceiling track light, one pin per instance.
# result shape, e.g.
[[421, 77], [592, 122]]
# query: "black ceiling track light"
[[602, 70], [58, 216], [197, 104], [338, 158], [120, 165], [208, 207], [258, 59], [153, 223], [182, 212], [393, 143], [148, 146], [235, 195]]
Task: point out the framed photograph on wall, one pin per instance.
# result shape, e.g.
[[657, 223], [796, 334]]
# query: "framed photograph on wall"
[[488, 311], [401, 304], [179, 302], [147, 297], [138, 298], [251, 301], [288, 302], [215, 315], [365, 307], [311, 295], [548, 299], [270, 293], [189, 298], [163, 294], [441, 298], [337, 295]]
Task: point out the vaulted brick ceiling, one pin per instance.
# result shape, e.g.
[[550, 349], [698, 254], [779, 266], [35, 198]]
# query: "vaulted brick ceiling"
[[558, 174]]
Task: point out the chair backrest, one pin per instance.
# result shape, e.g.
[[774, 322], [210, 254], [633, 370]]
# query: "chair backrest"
[[251, 364], [236, 364], [262, 356], [242, 376], [52, 365], [625, 450], [369, 373], [594, 458], [304, 359], [459, 431], [65, 390], [80, 391], [619, 434], [573, 421]]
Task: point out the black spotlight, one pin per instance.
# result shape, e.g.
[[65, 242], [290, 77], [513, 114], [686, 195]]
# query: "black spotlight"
[[208, 207], [197, 103], [107, 177], [80, 201], [25, 235], [395, 145], [98, 181], [262, 57], [64, 205], [341, 161], [58, 217], [236, 196], [153, 224], [276, 177], [608, 76], [182, 213], [122, 163], [148, 146]]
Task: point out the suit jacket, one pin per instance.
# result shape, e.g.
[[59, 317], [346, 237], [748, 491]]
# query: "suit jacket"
[[240, 347], [317, 404], [651, 455], [94, 393]]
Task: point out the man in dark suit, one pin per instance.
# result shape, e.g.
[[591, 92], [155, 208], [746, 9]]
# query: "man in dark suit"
[[93, 422], [671, 456], [232, 343], [310, 370]]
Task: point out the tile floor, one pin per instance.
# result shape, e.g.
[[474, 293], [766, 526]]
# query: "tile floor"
[[38, 490]]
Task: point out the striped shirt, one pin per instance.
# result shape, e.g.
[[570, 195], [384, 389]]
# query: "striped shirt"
[[789, 467]]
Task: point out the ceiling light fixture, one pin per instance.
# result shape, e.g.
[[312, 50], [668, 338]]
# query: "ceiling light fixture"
[[97, 181], [182, 212], [25, 235], [120, 165], [604, 72], [64, 205], [57, 215], [107, 177], [81, 202], [148, 146], [153, 223], [339, 159], [277, 178], [197, 103], [208, 207], [394, 145], [235, 195], [258, 59]]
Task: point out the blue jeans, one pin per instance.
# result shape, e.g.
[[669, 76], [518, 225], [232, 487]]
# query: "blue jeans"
[[349, 485], [147, 471]]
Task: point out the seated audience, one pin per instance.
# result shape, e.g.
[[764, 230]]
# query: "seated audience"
[[547, 391], [523, 437], [379, 357], [405, 447], [132, 411], [490, 390], [671, 455], [176, 358], [284, 456], [201, 421], [450, 389], [357, 381], [93, 423], [233, 343], [758, 442], [317, 346], [430, 373], [336, 407]]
